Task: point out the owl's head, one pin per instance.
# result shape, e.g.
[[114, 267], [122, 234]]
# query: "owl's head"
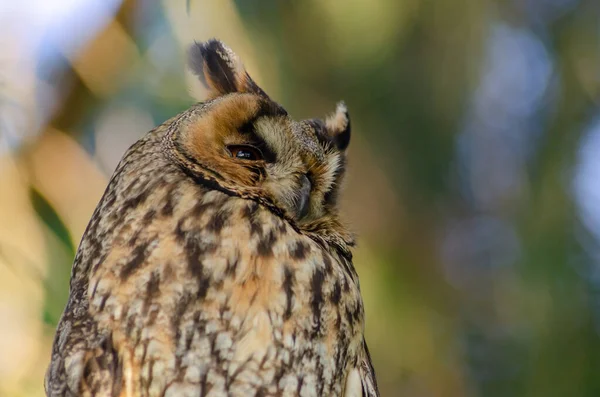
[[242, 142]]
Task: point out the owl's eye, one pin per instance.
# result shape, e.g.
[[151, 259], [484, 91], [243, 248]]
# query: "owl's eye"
[[245, 152]]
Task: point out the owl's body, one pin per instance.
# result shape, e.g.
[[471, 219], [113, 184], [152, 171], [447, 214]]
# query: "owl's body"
[[215, 263]]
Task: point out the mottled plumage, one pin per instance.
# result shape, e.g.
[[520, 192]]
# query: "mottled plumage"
[[215, 263]]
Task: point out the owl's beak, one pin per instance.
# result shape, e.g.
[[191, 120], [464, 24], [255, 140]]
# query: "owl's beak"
[[303, 200]]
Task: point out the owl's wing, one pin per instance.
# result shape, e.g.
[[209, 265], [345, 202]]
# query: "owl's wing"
[[367, 374], [361, 380], [84, 362]]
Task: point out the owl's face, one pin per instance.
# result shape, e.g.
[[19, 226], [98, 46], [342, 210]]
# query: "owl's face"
[[242, 142]]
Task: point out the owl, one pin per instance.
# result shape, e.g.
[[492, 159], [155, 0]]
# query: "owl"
[[216, 263]]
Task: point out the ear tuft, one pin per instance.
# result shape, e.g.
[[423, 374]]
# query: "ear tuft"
[[220, 69], [338, 126], [217, 67]]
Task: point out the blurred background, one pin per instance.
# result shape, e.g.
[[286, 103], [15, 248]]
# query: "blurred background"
[[474, 180]]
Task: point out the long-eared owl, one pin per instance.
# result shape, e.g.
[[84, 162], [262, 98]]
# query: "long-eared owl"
[[216, 263]]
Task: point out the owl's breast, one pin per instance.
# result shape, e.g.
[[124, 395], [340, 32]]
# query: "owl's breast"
[[223, 295]]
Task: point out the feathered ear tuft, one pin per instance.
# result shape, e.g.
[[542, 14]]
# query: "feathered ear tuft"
[[338, 126], [220, 69]]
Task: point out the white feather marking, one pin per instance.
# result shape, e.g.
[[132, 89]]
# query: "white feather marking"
[[353, 384]]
